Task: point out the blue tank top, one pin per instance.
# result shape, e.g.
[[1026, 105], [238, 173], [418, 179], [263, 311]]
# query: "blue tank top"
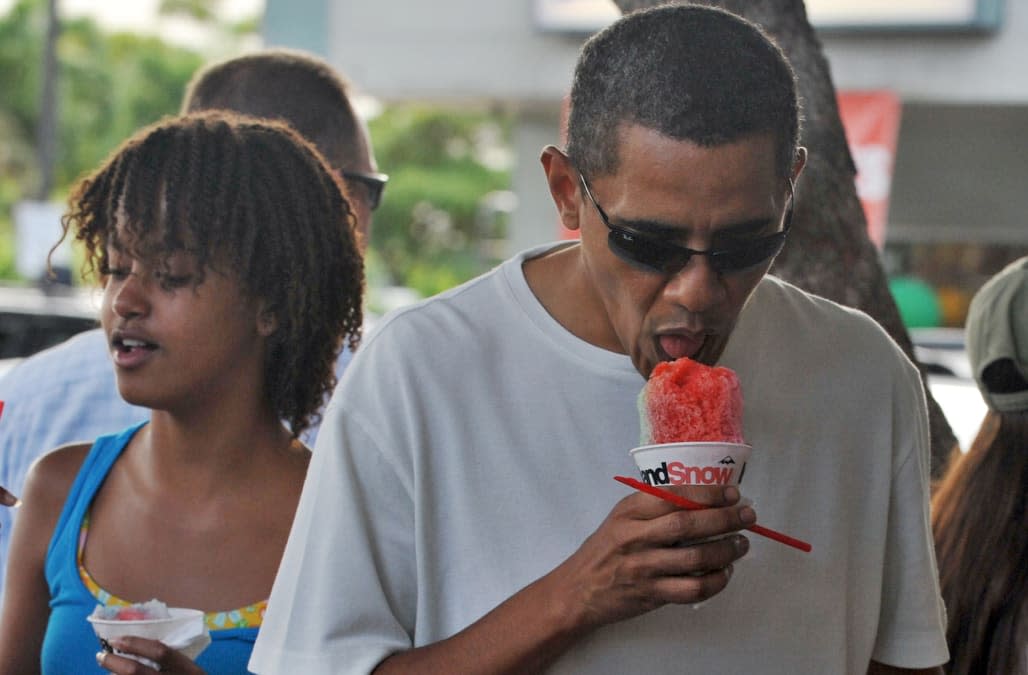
[[70, 646]]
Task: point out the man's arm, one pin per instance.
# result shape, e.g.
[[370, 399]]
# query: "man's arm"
[[626, 568]]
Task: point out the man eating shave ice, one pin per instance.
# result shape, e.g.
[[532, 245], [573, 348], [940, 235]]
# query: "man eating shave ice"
[[460, 514]]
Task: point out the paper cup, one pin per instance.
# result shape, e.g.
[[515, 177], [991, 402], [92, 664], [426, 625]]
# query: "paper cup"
[[698, 463], [184, 631]]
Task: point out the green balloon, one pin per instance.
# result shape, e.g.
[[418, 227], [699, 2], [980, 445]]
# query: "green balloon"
[[918, 303]]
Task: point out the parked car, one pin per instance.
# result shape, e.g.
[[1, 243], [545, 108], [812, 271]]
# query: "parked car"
[[944, 356], [32, 319]]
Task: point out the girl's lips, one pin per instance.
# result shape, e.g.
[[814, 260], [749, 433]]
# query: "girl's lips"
[[131, 352]]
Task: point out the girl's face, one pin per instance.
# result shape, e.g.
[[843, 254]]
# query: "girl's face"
[[175, 343]]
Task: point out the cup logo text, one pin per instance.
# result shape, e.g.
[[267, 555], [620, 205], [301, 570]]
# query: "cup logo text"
[[678, 473]]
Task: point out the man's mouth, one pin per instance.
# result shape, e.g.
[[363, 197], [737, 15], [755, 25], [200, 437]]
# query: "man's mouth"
[[676, 345]]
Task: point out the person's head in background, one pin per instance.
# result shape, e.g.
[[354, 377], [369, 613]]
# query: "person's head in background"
[[309, 95], [197, 204], [980, 508]]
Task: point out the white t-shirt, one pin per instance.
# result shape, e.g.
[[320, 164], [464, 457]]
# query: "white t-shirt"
[[471, 448]]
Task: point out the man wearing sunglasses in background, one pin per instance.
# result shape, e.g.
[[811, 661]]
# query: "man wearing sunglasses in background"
[[68, 392], [460, 515]]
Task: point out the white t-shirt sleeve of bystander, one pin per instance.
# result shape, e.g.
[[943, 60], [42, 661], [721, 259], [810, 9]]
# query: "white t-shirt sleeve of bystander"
[[912, 622], [347, 574]]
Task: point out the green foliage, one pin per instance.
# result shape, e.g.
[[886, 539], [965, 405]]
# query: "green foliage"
[[430, 231], [108, 87]]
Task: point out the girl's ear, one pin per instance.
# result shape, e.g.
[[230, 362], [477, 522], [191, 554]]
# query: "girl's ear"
[[267, 320]]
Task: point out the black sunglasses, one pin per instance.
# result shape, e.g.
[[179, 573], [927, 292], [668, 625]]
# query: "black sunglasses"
[[374, 183], [656, 255]]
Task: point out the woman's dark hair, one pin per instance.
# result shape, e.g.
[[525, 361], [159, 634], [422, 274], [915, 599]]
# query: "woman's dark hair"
[[249, 199], [980, 525]]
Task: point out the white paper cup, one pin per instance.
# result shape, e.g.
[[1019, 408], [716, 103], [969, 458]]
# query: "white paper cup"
[[696, 463], [693, 463], [184, 630]]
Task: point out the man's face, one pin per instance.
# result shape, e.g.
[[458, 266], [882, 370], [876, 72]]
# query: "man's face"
[[697, 197], [362, 161]]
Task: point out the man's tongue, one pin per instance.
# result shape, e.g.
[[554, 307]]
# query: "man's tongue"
[[677, 346]]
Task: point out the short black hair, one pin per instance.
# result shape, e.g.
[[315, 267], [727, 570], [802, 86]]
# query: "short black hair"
[[692, 73], [250, 199], [290, 85]]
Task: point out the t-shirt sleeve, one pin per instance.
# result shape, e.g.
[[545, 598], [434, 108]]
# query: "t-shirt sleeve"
[[912, 622], [344, 596]]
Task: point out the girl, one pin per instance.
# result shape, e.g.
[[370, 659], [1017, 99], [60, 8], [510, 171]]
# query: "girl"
[[980, 508], [231, 278]]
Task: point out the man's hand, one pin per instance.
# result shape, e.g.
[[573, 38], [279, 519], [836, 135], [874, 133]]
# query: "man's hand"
[[648, 553]]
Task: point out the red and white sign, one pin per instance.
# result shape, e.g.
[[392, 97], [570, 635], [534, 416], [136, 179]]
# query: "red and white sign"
[[871, 120]]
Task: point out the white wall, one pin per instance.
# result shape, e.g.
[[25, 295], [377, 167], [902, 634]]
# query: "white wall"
[[955, 176]]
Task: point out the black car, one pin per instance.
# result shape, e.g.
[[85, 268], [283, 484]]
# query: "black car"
[[32, 319]]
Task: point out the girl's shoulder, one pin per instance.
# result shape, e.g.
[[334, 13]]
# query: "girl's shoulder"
[[50, 477]]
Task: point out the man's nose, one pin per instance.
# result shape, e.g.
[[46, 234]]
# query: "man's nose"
[[697, 287]]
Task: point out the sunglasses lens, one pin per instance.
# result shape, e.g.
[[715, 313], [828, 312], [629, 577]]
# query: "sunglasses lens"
[[664, 258], [734, 260], [647, 253], [374, 193], [371, 185]]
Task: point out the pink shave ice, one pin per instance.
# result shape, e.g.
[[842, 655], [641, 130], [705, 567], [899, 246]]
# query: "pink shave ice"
[[686, 401]]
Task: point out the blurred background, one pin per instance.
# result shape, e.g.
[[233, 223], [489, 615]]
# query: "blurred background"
[[461, 96]]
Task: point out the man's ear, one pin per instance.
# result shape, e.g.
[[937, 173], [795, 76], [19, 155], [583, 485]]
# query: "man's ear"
[[563, 181], [267, 320]]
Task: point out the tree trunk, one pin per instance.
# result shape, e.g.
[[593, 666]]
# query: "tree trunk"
[[828, 252]]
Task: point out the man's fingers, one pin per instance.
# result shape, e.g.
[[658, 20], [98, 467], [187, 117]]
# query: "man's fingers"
[[692, 588], [708, 495], [647, 506], [693, 559]]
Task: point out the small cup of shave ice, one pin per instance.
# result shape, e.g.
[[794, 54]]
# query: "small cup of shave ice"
[[692, 463], [179, 628]]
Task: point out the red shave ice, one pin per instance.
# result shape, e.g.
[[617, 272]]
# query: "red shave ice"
[[686, 401]]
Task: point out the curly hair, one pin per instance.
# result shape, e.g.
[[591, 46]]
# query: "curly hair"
[[693, 73], [250, 199]]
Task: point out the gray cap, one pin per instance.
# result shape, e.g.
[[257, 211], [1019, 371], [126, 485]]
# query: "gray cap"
[[997, 338]]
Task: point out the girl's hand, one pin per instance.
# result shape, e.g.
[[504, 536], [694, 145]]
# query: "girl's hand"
[[167, 659]]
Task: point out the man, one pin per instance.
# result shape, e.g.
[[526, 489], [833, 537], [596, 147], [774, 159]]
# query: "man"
[[460, 516], [68, 393]]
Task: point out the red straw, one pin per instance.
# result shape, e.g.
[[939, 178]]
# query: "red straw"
[[694, 506]]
